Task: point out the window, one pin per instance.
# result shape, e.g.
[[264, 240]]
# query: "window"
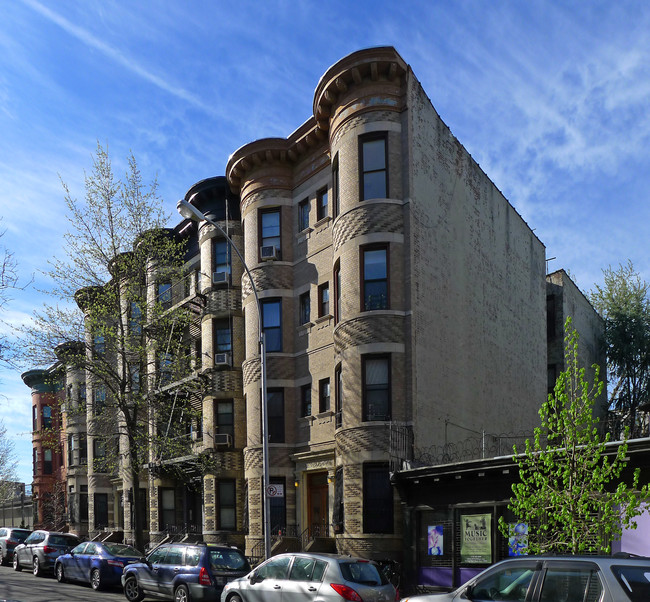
[[222, 336], [338, 396], [47, 461], [35, 460], [135, 318], [336, 193], [270, 228], [165, 294], [278, 505], [337, 513], [377, 499], [225, 418], [99, 454], [83, 503], [165, 362], [276, 568], [82, 394], [303, 215], [509, 583], [324, 299], [99, 399], [227, 505], [71, 461], [99, 344], [134, 370], [305, 308], [372, 165], [47, 417], [375, 371], [337, 292], [272, 323], [324, 395], [34, 418], [562, 583], [168, 508], [305, 400], [222, 256], [275, 414], [321, 204], [101, 510], [83, 449], [374, 278]]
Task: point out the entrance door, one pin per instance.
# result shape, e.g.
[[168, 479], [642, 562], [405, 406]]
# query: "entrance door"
[[318, 504]]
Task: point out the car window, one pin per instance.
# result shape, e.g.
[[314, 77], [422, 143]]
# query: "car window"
[[276, 568], [119, 549], [3, 532], [303, 570], [507, 583], [174, 555], [319, 570], [35, 538], [571, 584], [635, 581], [63, 540], [363, 573], [157, 556], [192, 556], [20, 535], [228, 560], [79, 549], [91, 549]]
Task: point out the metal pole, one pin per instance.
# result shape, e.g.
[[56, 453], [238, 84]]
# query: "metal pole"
[[188, 210]]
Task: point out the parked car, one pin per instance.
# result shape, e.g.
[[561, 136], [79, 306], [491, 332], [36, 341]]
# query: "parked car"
[[619, 578], [326, 577], [97, 563], [41, 549], [183, 572], [10, 537]]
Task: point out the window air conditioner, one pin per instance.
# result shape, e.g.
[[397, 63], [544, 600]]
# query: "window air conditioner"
[[220, 278], [223, 439], [270, 252], [222, 359]]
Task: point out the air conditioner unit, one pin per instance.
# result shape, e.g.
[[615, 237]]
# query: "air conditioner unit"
[[222, 359], [270, 252], [220, 278], [223, 439]]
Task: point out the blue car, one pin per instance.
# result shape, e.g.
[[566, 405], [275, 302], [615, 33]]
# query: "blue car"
[[100, 564]]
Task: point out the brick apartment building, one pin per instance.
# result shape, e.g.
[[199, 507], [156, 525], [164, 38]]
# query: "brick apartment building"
[[404, 305]]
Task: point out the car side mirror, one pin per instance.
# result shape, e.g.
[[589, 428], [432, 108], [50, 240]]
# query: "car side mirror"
[[254, 578], [71, 552], [469, 593]]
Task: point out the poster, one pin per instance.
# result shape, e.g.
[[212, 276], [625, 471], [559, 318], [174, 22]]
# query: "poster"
[[517, 539], [476, 538], [435, 540]]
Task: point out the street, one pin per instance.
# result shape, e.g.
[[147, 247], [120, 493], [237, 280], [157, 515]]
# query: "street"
[[24, 587]]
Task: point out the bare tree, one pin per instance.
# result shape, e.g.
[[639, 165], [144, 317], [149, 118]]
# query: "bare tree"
[[8, 465]]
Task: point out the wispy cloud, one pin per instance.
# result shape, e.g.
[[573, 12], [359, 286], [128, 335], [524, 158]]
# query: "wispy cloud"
[[127, 62]]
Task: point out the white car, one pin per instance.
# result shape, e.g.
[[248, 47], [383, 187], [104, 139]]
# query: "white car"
[[304, 576]]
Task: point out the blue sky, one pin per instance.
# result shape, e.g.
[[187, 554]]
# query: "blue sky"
[[551, 99]]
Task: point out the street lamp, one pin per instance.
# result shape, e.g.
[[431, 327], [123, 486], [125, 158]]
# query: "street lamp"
[[189, 211]]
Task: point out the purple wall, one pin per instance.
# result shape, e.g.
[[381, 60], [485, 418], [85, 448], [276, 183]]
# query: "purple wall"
[[635, 541]]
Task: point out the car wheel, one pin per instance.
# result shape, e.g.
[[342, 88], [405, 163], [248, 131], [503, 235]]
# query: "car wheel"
[[181, 594], [17, 566], [36, 566], [132, 590], [95, 579], [60, 576], [234, 598]]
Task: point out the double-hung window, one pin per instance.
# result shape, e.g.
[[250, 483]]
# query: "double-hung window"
[[165, 294], [377, 499], [305, 308], [222, 336], [272, 323], [373, 166], [321, 204], [375, 371], [270, 229], [305, 400], [374, 278], [225, 417], [324, 395], [336, 193], [337, 292], [303, 215], [135, 318], [324, 299], [222, 257], [227, 504]]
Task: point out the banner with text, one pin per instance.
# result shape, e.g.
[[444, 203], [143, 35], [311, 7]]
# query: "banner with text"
[[476, 538]]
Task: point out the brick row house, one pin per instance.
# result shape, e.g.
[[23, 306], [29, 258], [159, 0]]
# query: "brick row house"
[[404, 305]]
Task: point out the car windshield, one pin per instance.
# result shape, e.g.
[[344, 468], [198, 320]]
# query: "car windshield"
[[63, 540], [118, 549], [19, 535], [635, 580], [228, 560], [363, 573]]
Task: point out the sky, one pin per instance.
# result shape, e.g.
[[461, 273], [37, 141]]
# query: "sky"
[[550, 98]]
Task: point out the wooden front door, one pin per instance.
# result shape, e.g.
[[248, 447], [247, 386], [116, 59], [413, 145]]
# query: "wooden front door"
[[318, 504]]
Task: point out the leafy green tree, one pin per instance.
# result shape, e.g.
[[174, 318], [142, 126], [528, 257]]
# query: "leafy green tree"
[[113, 323], [570, 491], [624, 303]]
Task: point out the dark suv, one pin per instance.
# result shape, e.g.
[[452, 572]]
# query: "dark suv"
[[41, 549], [10, 537], [183, 572]]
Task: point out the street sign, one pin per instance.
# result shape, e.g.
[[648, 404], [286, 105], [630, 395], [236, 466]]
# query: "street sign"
[[275, 490]]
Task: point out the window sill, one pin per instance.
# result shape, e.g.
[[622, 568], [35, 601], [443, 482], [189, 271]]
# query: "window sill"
[[324, 319], [304, 329]]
